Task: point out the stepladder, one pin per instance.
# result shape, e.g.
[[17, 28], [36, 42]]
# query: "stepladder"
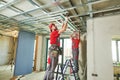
[[64, 74]]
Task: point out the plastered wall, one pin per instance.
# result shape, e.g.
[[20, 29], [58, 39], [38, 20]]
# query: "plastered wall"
[[82, 57], [5, 49], [99, 53]]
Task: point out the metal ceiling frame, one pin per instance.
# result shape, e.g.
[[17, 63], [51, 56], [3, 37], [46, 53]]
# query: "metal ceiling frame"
[[56, 15], [51, 4], [69, 9], [82, 22], [72, 27], [84, 14], [12, 7], [42, 17], [9, 4], [50, 13], [45, 11], [42, 10], [42, 7]]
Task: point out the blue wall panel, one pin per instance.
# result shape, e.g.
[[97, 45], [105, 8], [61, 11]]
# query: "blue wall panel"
[[24, 53]]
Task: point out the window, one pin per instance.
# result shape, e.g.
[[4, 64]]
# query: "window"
[[66, 44], [116, 50], [67, 49]]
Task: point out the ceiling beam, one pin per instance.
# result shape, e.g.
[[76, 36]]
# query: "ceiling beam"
[[83, 14], [9, 4], [38, 18], [69, 23], [81, 17], [42, 7], [90, 9], [53, 4], [43, 19], [44, 10]]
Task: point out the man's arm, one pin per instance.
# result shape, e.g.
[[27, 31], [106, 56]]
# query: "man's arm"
[[64, 26], [71, 36], [78, 35]]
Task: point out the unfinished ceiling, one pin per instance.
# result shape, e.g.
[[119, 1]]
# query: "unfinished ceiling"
[[35, 15]]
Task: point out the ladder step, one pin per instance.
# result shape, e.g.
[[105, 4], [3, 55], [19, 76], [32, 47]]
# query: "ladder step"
[[68, 63]]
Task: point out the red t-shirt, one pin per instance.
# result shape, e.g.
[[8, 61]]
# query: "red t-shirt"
[[75, 43], [49, 60], [54, 38]]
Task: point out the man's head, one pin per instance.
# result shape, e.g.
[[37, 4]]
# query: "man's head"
[[75, 34], [52, 27]]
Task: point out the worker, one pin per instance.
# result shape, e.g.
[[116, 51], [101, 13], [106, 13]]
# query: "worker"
[[54, 50], [75, 37]]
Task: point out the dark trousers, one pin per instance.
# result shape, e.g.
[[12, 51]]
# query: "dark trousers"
[[49, 74], [75, 53]]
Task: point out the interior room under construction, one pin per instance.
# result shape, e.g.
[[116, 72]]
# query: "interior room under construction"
[[25, 38]]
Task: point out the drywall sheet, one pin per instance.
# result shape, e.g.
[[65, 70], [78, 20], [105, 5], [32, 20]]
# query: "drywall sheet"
[[24, 53]]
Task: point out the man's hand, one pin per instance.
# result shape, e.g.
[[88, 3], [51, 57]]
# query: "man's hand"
[[66, 19]]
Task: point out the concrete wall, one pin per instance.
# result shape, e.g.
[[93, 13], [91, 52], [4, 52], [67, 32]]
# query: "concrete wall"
[[99, 53], [5, 49]]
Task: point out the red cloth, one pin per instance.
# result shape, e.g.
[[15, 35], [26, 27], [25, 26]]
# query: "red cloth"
[[75, 43], [54, 38], [49, 60]]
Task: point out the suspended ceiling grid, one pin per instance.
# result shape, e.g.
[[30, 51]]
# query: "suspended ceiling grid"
[[35, 15]]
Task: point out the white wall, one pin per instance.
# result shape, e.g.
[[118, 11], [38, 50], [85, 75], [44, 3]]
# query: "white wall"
[[4, 50], [99, 53]]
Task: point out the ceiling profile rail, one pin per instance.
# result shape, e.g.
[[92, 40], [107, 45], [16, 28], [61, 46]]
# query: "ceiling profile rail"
[[9, 4], [43, 19], [76, 12], [83, 14], [42, 12], [70, 24], [90, 9], [14, 8], [42, 7], [47, 14], [50, 13], [53, 4], [72, 27]]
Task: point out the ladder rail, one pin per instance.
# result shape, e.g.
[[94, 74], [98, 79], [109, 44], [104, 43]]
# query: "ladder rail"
[[68, 63]]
